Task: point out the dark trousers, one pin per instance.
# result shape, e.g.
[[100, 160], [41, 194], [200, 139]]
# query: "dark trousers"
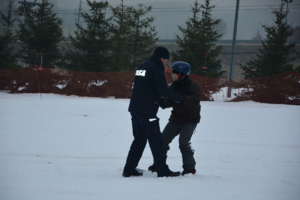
[[146, 128], [185, 132]]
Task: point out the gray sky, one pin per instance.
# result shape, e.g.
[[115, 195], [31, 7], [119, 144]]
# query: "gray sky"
[[252, 14]]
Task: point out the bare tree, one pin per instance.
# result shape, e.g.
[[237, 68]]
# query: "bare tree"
[[296, 35], [221, 27], [258, 35]]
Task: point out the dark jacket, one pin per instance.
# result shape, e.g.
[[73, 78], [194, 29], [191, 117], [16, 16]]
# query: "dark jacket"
[[189, 110], [149, 85]]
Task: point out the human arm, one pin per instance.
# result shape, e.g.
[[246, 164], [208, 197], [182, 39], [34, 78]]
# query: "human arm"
[[193, 97]]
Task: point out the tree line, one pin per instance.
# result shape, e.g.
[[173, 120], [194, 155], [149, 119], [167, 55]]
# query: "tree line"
[[126, 39]]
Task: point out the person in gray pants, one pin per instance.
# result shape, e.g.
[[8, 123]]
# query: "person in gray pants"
[[184, 117]]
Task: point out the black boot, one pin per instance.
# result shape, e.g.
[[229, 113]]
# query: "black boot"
[[152, 168], [173, 174], [188, 171], [135, 173]]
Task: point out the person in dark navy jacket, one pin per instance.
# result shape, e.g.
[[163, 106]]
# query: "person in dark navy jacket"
[[149, 85]]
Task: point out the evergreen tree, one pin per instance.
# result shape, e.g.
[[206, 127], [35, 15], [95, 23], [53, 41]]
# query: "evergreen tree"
[[123, 19], [142, 36], [197, 45], [7, 57], [92, 45], [133, 37], [41, 34], [276, 56]]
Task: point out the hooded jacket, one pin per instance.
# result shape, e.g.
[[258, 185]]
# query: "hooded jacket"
[[149, 85]]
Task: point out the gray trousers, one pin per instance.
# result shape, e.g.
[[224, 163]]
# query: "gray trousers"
[[185, 133]]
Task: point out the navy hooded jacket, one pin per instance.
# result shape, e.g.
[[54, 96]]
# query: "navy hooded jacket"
[[149, 85]]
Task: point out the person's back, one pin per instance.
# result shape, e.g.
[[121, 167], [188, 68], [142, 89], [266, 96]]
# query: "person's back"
[[149, 85]]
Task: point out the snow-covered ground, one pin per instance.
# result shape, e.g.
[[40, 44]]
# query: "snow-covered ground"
[[74, 148]]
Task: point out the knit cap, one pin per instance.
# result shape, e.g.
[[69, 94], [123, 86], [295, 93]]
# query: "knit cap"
[[162, 52]]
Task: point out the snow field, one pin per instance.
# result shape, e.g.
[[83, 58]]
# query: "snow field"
[[75, 148]]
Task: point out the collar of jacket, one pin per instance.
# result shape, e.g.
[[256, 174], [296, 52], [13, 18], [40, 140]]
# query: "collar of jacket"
[[182, 84], [157, 60]]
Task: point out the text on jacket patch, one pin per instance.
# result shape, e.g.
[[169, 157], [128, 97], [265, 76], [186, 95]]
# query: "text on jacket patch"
[[140, 72]]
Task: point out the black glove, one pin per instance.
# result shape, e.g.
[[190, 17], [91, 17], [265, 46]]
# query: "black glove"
[[165, 103], [181, 99]]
